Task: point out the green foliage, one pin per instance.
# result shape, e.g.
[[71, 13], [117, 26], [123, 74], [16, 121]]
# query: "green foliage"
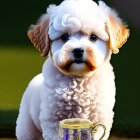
[[18, 65]]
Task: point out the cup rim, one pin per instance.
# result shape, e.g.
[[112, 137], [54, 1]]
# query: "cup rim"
[[69, 123]]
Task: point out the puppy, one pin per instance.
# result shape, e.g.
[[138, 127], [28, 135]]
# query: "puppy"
[[77, 80]]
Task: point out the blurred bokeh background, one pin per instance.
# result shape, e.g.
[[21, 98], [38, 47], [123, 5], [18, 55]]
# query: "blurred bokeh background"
[[20, 62]]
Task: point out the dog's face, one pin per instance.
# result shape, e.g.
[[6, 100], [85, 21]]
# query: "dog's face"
[[80, 36], [78, 54]]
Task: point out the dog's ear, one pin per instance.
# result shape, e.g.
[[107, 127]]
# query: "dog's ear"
[[38, 34], [117, 32], [116, 29]]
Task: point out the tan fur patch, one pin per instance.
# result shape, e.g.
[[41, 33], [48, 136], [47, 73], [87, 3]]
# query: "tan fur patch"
[[117, 32], [39, 36], [91, 60]]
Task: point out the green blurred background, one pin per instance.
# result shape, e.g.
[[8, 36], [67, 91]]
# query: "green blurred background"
[[20, 62]]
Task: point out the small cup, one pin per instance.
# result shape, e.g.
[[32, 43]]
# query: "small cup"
[[78, 129]]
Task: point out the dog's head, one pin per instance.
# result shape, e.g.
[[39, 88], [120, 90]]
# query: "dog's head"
[[79, 35]]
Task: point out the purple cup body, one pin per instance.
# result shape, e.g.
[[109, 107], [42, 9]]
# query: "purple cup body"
[[75, 134], [78, 129]]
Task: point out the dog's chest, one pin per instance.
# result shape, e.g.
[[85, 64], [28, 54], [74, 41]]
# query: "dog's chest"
[[74, 98]]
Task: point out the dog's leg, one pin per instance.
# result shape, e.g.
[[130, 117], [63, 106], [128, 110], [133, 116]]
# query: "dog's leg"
[[49, 127], [25, 129], [50, 134]]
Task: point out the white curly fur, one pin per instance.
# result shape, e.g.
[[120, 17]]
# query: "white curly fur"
[[76, 92], [90, 98], [58, 96]]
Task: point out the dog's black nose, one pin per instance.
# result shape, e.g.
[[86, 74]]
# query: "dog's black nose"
[[78, 52]]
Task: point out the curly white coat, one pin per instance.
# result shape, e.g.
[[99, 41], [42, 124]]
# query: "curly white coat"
[[57, 94]]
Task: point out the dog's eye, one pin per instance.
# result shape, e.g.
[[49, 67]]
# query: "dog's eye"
[[65, 37], [93, 37]]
